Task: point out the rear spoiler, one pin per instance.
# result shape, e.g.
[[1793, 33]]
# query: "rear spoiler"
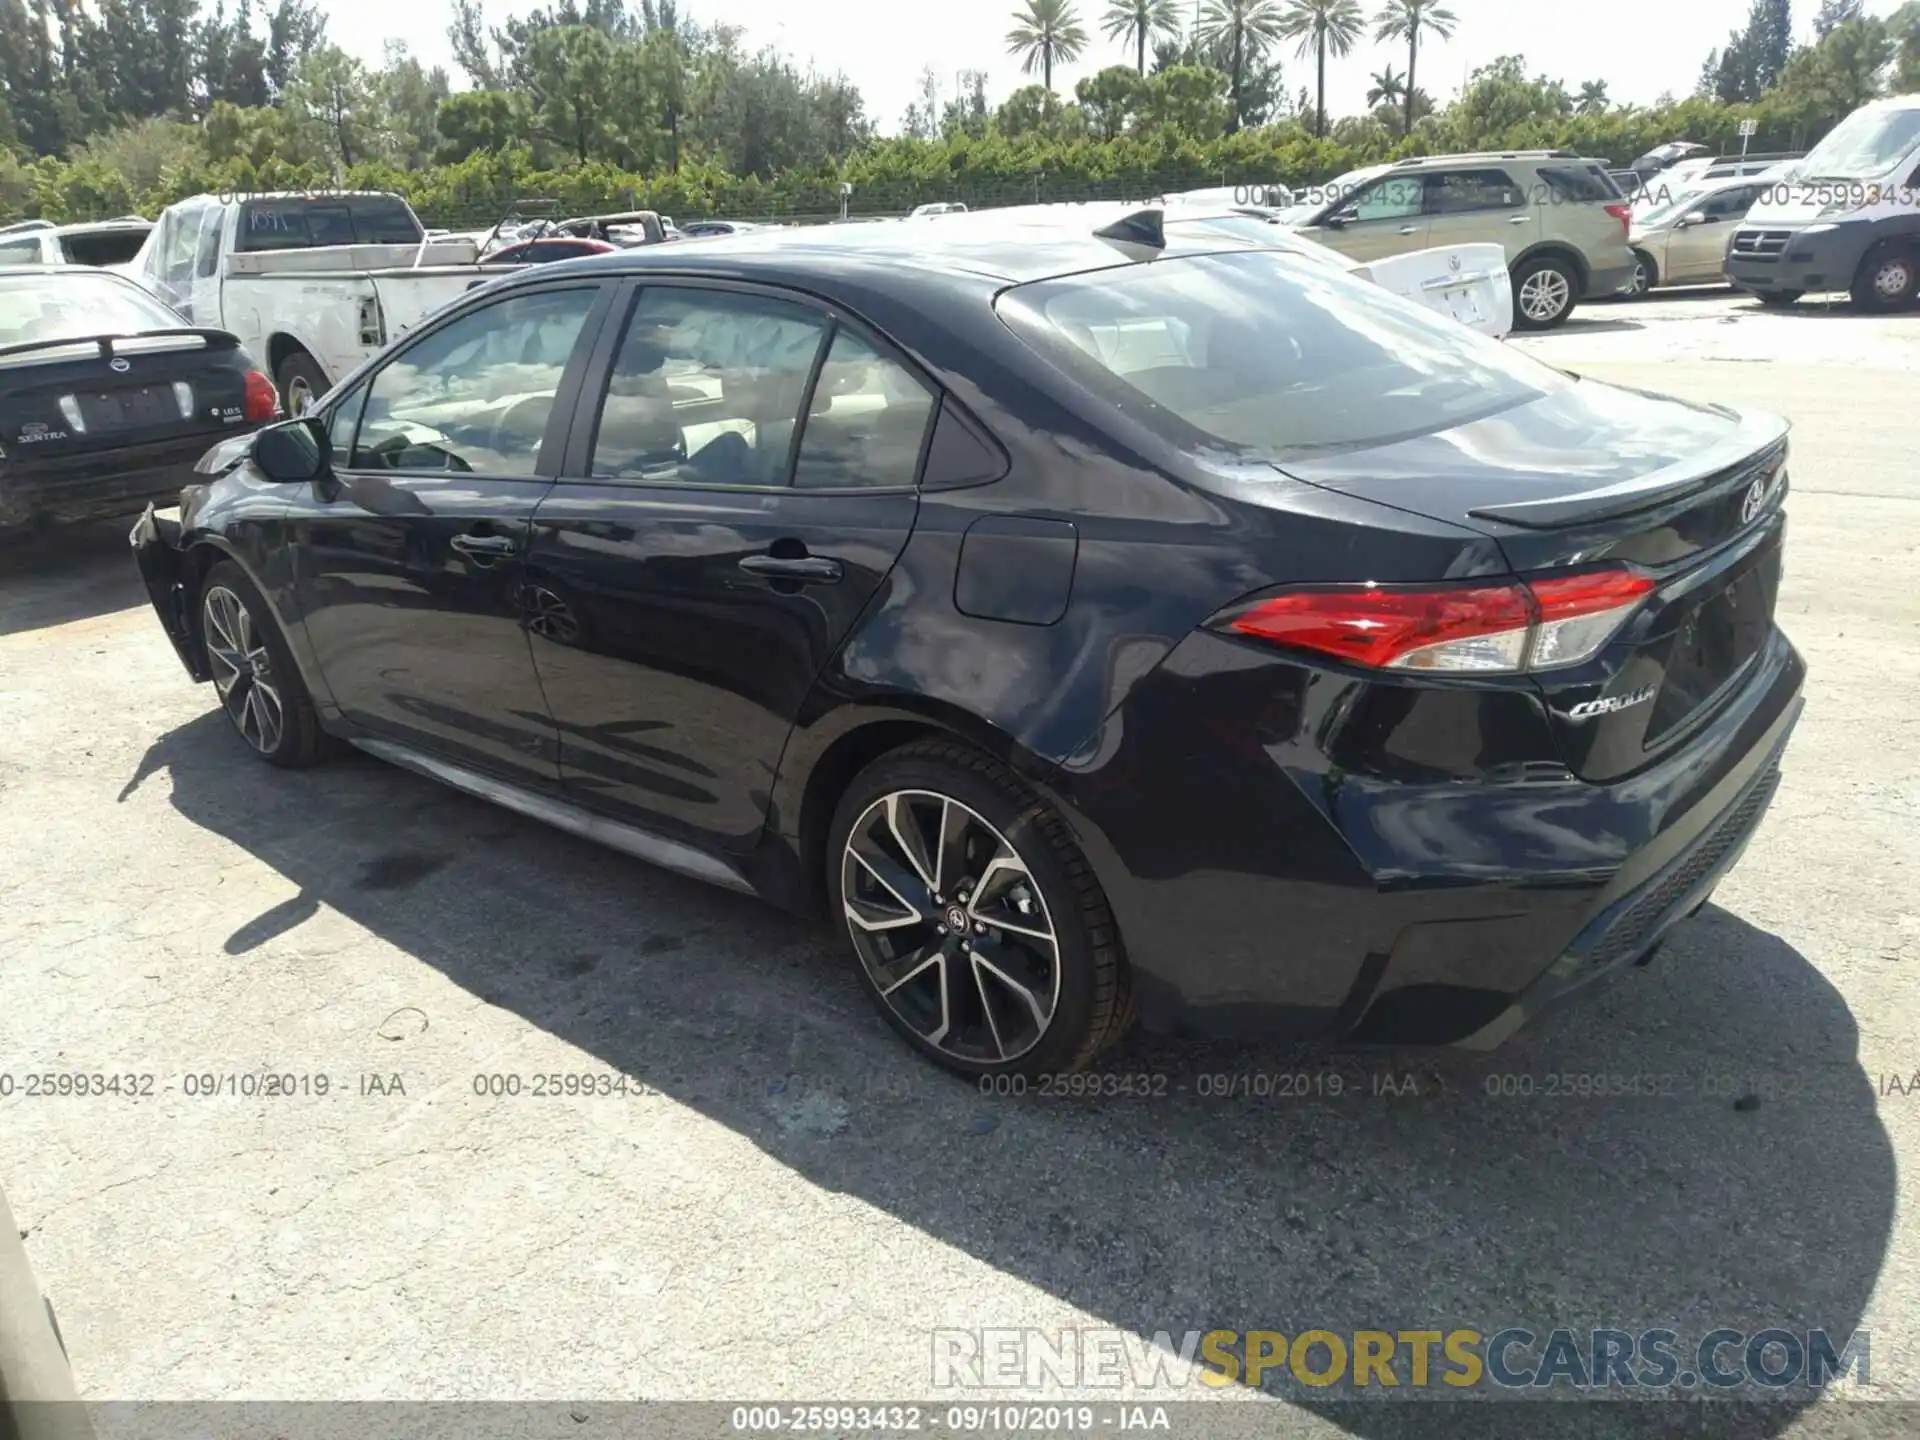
[[1754, 448], [214, 340]]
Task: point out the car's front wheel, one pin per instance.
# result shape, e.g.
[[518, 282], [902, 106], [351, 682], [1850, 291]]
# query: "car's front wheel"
[[1645, 277], [980, 930], [1544, 292], [254, 674]]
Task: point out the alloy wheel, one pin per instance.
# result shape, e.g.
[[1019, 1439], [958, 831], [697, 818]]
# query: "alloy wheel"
[[1544, 294], [242, 670], [1642, 279], [951, 926], [299, 396]]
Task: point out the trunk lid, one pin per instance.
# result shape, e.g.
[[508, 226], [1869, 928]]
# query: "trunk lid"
[[1594, 474], [71, 397]]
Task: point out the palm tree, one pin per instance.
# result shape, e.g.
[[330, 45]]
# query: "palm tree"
[[1135, 22], [1592, 98], [1046, 31], [1322, 26], [1245, 28], [1387, 86], [1407, 20]]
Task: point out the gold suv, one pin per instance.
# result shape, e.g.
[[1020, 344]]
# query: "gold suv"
[[1561, 218]]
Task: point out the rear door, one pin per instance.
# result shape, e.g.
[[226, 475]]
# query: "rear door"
[[707, 549], [1481, 205], [411, 565]]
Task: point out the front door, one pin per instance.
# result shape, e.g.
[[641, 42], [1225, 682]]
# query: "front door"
[[1380, 219], [1698, 252], [413, 559], [707, 552]]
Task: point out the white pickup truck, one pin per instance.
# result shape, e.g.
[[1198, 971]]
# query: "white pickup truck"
[[311, 283]]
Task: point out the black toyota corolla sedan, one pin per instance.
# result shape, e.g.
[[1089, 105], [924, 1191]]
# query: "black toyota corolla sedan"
[[107, 397], [1093, 612]]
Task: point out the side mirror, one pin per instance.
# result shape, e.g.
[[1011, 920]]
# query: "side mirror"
[[1691, 218], [291, 453], [1340, 221]]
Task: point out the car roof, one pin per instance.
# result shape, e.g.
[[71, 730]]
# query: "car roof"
[[99, 227], [999, 247], [64, 272]]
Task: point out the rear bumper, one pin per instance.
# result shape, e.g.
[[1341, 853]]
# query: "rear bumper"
[[1316, 873], [1605, 280], [97, 486], [156, 549]]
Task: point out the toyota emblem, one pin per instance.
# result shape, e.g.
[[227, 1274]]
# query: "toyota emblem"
[[1755, 501], [1453, 263], [120, 367]]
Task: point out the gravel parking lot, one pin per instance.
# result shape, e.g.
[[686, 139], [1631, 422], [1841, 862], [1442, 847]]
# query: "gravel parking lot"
[[786, 1204]]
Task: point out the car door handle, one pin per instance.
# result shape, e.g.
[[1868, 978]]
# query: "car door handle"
[[487, 545], [817, 568]]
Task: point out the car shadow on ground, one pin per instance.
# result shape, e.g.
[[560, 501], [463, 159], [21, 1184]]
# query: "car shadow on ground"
[[57, 576], [1745, 1181]]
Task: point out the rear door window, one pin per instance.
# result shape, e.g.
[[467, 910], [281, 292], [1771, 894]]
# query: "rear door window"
[[1581, 184], [1265, 354], [20, 252], [1460, 192], [866, 423]]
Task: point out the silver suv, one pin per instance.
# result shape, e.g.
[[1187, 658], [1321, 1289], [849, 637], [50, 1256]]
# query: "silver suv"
[[1560, 217]]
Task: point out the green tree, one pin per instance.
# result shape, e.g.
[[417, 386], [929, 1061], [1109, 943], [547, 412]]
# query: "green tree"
[[332, 94], [1828, 81], [1243, 31], [922, 120], [1834, 13], [1410, 20], [1592, 98], [570, 88], [1754, 56], [472, 50], [1036, 110], [1903, 28], [1320, 26], [478, 122], [408, 99], [1110, 99], [967, 113], [1186, 100], [1045, 32], [1137, 22]]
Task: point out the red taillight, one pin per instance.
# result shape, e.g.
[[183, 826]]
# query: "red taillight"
[[1483, 629], [262, 402], [1622, 213]]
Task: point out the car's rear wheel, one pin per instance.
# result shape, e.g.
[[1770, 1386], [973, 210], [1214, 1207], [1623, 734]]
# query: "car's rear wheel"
[[1886, 281], [302, 382], [254, 674], [980, 930], [1544, 292]]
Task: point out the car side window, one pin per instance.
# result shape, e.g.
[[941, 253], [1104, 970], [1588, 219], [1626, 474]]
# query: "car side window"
[[208, 260], [1460, 192], [1394, 198], [866, 423], [341, 425], [1731, 205], [20, 252], [182, 246], [706, 388], [476, 394]]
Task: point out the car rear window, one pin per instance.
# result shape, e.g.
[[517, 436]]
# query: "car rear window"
[[103, 247], [76, 304], [300, 222], [1581, 182], [1269, 354]]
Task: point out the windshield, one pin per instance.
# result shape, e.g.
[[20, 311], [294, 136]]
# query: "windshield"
[[76, 305], [1268, 354], [1863, 146], [1312, 199]]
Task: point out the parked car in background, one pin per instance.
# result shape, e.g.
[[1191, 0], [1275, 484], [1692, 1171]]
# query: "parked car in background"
[[107, 397], [547, 249], [1264, 196], [311, 283], [1684, 241], [1560, 219], [103, 243], [1665, 157], [1090, 611], [698, 229], [937, 207], [38, 1397], [1847, 219], [626, 229]]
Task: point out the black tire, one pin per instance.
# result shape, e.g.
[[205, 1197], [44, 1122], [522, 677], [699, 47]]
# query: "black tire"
[[1778, 299], [1646, 277], [1558, 280], [299, 373], [1886, 281], [1092, 994], [246, 686]]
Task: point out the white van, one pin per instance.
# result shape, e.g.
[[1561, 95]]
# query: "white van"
[[1847, 217]]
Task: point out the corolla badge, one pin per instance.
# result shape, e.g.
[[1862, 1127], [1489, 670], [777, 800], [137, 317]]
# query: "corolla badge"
[[1612, 704]]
